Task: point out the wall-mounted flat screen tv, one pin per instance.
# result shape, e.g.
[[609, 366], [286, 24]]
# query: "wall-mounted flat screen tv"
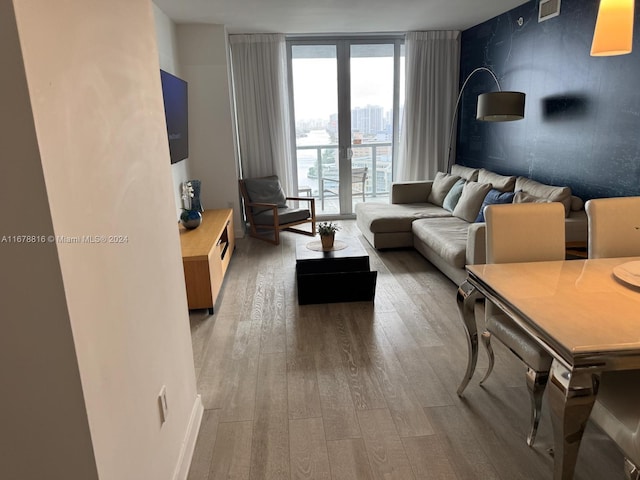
[[174, 92]]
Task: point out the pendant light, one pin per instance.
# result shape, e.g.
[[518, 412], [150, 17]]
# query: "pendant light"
[[613, 34]]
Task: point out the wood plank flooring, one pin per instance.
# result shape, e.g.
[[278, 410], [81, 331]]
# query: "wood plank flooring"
[[359, 390]]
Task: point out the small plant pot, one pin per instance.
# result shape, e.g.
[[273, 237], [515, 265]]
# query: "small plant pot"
[[327, 241]]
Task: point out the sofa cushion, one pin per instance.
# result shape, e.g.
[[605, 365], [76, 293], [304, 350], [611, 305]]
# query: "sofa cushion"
[[410, 192], [524, 197], [446, 236], [551, 193], [470, 201], [452, 198], [500, 182], [387, 218], [468, 173], [494, 197], [576, 203], [441, 186]]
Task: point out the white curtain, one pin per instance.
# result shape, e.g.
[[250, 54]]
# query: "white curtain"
[[259, 69], [432, 62]]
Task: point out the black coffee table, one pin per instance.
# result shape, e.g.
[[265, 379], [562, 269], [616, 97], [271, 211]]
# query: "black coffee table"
[[334, 276]]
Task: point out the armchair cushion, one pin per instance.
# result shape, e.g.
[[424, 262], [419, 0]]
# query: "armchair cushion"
[[265, 190], [285, 215]]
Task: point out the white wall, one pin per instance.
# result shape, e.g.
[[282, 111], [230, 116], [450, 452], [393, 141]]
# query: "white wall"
[[93, 83], [44, 432], [169, 62], [203, 54]]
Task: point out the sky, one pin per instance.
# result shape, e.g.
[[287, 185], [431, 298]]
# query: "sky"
[[315, 85]]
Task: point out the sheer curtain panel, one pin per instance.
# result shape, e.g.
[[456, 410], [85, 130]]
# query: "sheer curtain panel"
[[432, 62], [259, 68]]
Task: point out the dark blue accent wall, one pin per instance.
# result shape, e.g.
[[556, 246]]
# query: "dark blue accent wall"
[[582, 113]]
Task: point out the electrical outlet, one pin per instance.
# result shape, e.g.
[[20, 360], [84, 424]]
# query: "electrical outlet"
[[162, 404]]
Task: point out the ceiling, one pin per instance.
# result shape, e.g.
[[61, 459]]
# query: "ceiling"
[[335, 16]]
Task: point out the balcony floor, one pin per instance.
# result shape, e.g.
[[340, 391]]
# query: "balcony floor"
[[332, 207]]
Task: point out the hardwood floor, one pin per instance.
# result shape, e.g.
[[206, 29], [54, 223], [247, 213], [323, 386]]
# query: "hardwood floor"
[[359, 390]]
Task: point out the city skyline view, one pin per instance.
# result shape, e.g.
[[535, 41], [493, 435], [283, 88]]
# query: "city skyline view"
[[315, 86]]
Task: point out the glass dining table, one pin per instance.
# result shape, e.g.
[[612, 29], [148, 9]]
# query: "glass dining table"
[[584, 313]]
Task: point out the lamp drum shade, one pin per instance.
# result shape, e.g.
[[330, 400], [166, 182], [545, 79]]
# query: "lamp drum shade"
[[500, 106], [613, 34]]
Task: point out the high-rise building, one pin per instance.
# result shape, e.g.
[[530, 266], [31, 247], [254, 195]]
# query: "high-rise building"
[[368, 120]]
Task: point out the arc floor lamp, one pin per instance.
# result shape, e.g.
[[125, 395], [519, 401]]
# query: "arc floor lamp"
[[492, 107]]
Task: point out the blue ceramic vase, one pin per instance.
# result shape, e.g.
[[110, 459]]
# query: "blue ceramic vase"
[[190, 219], [195, 201]]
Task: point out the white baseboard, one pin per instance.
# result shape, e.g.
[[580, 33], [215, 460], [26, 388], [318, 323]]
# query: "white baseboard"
[[189, 443]]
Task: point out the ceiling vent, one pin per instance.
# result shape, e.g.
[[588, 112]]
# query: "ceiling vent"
[[548, 9]]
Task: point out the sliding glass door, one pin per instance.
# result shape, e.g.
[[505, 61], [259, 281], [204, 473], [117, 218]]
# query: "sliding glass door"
[[346, 108], [314, 75]]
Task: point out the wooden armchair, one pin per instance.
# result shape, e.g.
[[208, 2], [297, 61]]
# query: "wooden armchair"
[[267, 212], [358, 182]]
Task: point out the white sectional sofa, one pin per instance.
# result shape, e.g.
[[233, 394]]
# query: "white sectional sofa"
[[446, 230]]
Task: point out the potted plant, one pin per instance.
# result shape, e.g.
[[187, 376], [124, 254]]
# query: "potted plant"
[[327, 232]]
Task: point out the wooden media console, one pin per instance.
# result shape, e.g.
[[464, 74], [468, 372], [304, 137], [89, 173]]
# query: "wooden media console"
[[206, 252]]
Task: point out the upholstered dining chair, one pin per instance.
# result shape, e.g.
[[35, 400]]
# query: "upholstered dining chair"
[[614, 227], [267, 211], [525, 232], [614, 231]]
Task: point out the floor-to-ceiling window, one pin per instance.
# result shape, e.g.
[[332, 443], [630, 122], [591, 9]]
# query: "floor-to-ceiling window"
[[347, 96]]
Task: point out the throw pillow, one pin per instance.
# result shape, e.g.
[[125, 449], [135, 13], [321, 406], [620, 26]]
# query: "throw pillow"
[[494, 197], [551, 193], [468, 173], [468, 206], [451, 200], [499, 182], [441, 186]]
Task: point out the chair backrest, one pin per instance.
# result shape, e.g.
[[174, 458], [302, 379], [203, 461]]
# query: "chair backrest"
[[614, 227], [359, 174], [525, 232], [262, 190]]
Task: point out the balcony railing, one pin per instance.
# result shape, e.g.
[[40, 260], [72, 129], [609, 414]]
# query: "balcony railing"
[[324, 164]]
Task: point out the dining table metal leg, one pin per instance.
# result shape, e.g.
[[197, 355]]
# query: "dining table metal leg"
[[571, 398], [466, 299]]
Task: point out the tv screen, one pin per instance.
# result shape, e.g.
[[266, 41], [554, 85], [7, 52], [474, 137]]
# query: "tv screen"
[[174, 92]]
